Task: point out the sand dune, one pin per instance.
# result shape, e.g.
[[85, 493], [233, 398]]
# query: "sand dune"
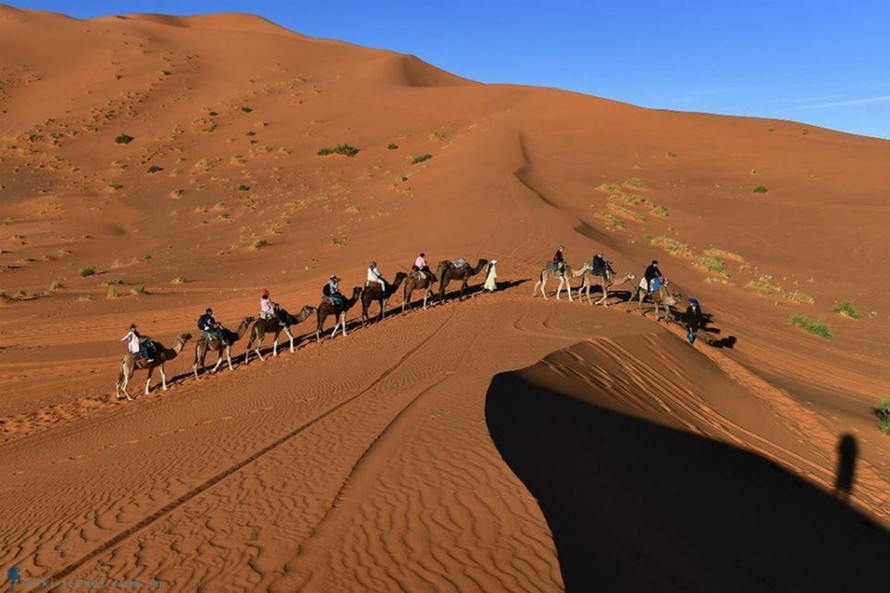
[[151, 166]]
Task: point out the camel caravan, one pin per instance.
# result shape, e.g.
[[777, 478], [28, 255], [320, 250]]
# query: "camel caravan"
[[144, 353]]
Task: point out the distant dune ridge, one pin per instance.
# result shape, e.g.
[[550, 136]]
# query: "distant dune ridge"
[[152, 166]]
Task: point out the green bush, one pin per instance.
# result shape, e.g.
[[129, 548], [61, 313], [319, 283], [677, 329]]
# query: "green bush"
[[846, 308], [87, 271], [124, 139], [817, 328], [246, 109], [421, 158], [393, 146], [155, 169], [883, 414], [339, 149], [760, 189], [243, 187]]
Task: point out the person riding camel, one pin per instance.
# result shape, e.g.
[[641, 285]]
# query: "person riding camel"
[[213, 329], [375, 276], [600, 266], [421, 267], [559, 261], [654, 277], [331, 291], [268, 308], [138, 345]]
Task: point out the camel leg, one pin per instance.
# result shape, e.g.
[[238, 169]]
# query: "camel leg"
[[543, 283], [148, 380], [219, 361], [163, 377], [383, 309], [343, 323], [229, 357], [257, 350], [290, 337]]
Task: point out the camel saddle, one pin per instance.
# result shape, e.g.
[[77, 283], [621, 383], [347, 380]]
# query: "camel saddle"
[[459, 264]]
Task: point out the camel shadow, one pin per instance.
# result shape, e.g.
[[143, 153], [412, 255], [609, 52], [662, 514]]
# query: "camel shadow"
[[477, 289], [636, 506]]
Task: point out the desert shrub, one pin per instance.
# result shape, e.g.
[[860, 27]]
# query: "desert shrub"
[[344, 149], [251, 133], [259, 243], [882, 411], [635, 182], [760, 189], [764, 285], [138, 289], [712, 264], [155, 169], [246, 109], [243, 187], [87, 271], [421, 158], [846, 308], [660, 211], [673, 246], [815, 327], [392, 146], [124, 139], [178, 280], [338, 241]]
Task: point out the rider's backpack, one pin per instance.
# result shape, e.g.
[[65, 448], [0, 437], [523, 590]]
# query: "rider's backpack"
[[326, 290]]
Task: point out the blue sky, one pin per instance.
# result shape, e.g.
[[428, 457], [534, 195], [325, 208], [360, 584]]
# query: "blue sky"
[[824, 63]]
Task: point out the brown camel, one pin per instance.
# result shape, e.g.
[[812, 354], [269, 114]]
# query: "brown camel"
[[604, 282], [203, 345], [375, 293], [273, 326], [326, 308], [415, 281], [663, 298], [550, 271], [449, 270], [162, 355]]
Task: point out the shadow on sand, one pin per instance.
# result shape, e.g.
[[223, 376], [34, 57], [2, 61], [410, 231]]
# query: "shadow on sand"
[[636, 506]]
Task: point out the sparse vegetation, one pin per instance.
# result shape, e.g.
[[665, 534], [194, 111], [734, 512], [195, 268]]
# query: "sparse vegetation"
[[338, 241], [138, 289], [87, 271], [760, 189], [213, 114], [259, 243], [112, 293], [882, 411], [671, 154], [392, 146], [847, 309], [660, 211], [712, 264], [723, 254], [815, 327], [124, 139], [635, 182], [764, 285], [178, 280], [344, 149], [243, 187], [251, 133], [672, 246], [246, 109], [421, 158], [155, 169]]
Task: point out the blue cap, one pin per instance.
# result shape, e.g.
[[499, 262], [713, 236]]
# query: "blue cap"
[[693, 300]]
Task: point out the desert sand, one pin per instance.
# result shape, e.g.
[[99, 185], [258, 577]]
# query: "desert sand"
[[152, 166]]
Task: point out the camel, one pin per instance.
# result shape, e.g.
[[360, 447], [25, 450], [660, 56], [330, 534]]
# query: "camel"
[[447, 272], [274, 327], [605, 283], [202, 345], [550, 271], [326, 308], [416, 282], [162, 355], [375, 293], [661, 297]]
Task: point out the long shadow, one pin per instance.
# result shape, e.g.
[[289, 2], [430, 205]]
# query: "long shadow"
[[477, 288], [635, 506]]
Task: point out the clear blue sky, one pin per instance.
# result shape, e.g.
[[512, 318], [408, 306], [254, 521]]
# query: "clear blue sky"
[[825, 63]]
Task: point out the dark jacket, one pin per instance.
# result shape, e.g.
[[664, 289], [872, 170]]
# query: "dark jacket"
[[598, 265], [206, 322], [652, 272]]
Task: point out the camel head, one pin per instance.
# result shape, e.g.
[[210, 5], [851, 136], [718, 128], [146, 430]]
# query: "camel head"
[[306, 312]]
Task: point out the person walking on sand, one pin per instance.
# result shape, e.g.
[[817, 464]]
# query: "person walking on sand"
[[693, 319], [491, 276]]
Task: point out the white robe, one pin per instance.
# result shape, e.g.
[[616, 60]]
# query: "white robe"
[[490, 283]]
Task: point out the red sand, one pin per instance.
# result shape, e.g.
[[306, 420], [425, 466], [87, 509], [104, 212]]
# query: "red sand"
[[390, 459]]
